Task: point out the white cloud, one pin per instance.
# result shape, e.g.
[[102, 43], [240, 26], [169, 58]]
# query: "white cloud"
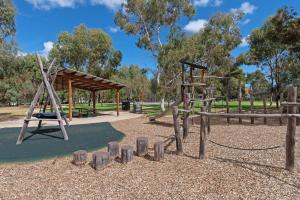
[[205, 3], [47, 48], [246, 8], [244, 42], [21, 53], [114, 29], [49, 4], [246, 21], [201, 3], [217, 3], [112, 4], [195, 26]]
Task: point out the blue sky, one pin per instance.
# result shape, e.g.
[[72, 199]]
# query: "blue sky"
[[40, 21]]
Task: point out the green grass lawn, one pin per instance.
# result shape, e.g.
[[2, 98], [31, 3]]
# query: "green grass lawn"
[[154, 109]]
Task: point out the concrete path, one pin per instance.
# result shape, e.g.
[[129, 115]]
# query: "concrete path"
[[109, 116]]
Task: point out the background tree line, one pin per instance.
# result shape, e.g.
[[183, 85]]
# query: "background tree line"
[[273, 48]]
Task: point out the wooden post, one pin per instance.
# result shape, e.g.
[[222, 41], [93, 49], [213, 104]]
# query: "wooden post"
[[298, 119], [100, 160], [182, 82], [265, 108], [31, 108], [281, 108], [118, 101], [79, 157], [52, 98], [159, 151], [186, 102], [291, 130], [240, 100], [202, 134], [70, 98], [142, 146], [94, 101], [227, 100], [208, 118], [251, 106], [178, 135], [192, 91], [113, 149], [126, 154]]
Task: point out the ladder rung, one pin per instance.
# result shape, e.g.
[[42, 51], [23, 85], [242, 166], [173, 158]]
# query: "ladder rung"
[[194, 84], [203, 100], [43, 120], [182, 110]]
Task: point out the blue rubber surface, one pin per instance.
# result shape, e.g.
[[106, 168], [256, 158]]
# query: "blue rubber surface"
[[48, 141]]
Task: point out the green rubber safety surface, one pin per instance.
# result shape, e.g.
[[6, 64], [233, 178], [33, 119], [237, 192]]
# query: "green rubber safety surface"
[[48, 141]]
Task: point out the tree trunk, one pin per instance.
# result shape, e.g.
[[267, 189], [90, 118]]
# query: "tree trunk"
[[162, 104]]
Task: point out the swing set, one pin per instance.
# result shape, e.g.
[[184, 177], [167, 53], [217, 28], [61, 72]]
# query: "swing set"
[[46, 87]]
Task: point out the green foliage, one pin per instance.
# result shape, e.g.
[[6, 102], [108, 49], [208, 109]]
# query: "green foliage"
[[138, 86], [257, 81], [274, 47], [286, 29], [146, 18], [211, 46], [88, 50], [7, 20]]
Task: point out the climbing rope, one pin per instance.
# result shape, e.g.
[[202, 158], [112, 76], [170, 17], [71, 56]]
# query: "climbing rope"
[[246, 149]]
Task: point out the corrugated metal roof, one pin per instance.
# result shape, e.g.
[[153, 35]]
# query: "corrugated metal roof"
[[84, 81]]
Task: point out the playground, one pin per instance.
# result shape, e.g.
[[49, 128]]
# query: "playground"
[[149, 99], [226, 173], [243, 147]]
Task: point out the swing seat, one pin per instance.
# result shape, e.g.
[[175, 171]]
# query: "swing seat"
[[48, 115]]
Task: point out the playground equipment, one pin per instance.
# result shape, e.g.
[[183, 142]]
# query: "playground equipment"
[[188, 96], [52, 96]]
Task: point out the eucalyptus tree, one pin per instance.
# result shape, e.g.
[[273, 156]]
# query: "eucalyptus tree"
[[257, 81], [211, 47], [150, 21], [286, 29], [7, 50], [7, 20], [88, 50], [7, 32], [135, 78], [271, 50]]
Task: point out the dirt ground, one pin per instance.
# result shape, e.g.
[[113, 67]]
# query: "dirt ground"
[[242, 162], [12, 113]]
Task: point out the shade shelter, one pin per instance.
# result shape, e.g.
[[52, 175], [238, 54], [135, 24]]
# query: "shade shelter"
[[69, 78]]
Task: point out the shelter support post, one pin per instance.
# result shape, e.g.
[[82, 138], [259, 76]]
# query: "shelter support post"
[[70, 98], [118, 101], [291, 130], [94, 101]]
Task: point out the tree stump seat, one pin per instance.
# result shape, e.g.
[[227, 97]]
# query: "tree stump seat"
[[79, 157]]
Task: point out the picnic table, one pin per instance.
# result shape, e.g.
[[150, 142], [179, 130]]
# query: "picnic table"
[[85, 112]]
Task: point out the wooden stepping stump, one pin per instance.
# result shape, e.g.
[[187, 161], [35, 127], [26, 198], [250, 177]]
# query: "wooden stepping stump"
[[141, 146], [100, 160], [159, 151], [126, 154], [79, 157], [113, 149]]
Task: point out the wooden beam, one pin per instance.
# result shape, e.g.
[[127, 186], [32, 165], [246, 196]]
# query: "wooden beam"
[[118, 101], [94, 101], [70, 98], [291, 130], [247, 115], [90, 80]]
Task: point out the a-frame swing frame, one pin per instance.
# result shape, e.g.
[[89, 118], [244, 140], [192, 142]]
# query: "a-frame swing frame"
[[53, 98]]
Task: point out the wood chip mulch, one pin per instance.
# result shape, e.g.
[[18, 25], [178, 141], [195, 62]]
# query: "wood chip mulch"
[[228, 172]]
